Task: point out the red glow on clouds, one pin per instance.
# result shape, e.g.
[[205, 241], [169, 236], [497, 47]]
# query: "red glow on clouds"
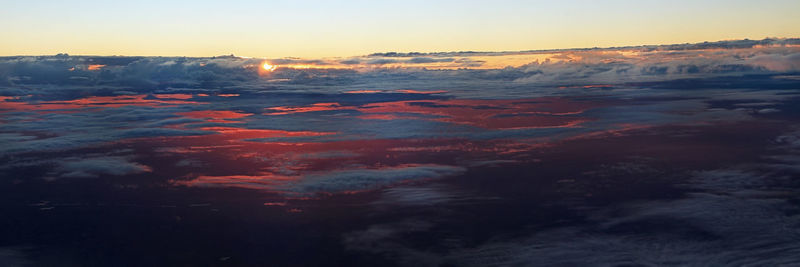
[[490, 114], [270, 159], [173, 96], [93, 102], [263, 181], [239, 133], [220, 116], [312, 108], [229, 160], [363, 92], [619, 130]]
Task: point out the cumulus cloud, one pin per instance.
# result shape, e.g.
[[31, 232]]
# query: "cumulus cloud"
[[134, 73], [779, 63]]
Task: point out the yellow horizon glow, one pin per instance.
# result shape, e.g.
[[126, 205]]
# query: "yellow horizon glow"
[[8, 49], [518, 59]]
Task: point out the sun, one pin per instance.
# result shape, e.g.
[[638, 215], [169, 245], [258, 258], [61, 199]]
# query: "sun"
[[268, 67]]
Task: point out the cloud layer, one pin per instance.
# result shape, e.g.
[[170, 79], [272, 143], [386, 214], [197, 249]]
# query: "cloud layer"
[[116, 75]]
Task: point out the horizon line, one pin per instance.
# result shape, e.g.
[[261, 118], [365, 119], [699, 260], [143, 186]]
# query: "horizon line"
[[433, 53]]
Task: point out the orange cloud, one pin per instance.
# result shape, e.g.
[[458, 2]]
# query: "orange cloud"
[[95, 67]]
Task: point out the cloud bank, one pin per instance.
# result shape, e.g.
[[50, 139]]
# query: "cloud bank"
[[117, 75]]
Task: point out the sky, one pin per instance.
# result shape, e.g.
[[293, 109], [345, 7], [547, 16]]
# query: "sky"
[[313, 29]]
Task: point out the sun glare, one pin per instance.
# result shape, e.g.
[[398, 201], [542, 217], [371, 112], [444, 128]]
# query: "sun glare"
[[268, 67]]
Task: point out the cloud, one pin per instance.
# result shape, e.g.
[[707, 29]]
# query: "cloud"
[[329, 182], [385, 239], [778, 62], [686, 231], [136, 73], [7, 138], [295, 131], [75, 127], [45, 108], [96, 167], [424, 195], [14, 257], [734, 215], [622, 64], [382, 61], [366, 179], [419, 60]]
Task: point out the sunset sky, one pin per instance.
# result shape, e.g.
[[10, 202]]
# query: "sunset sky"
[[312, 29]]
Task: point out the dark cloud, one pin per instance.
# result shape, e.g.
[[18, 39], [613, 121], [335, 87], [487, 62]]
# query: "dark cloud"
[[418, 60], [381, 61], [14, 257], [721, 221]]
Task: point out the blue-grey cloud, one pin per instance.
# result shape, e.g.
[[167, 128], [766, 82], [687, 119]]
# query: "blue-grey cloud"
[[96, 167], [366, 179]]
